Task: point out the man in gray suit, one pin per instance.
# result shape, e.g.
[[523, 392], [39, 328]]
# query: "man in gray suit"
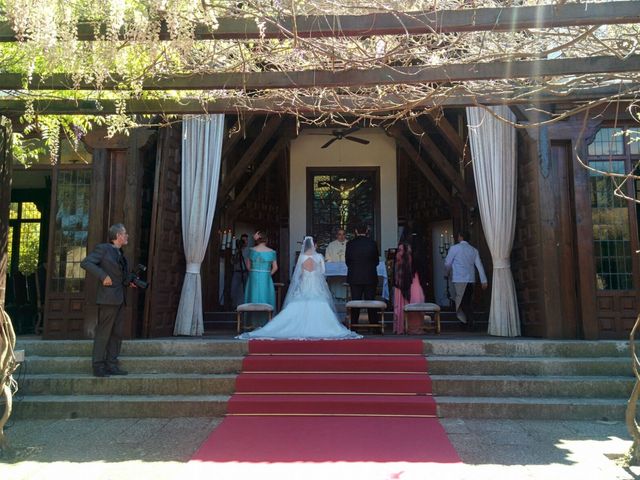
[[109, 265]]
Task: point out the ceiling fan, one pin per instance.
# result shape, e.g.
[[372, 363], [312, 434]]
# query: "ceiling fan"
[[346, 134]]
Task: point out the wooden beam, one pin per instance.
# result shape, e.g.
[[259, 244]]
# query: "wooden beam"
[[518, 111], [393, 23], [433, 152], [281, 144], [447, 130], [381, 75], [306, 104], [239, 169], [240, 127], [414, 155]]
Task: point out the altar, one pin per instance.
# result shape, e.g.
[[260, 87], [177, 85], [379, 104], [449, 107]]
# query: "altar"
[[339, 269]]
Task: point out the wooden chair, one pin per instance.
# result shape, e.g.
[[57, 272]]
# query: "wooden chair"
[[426, 309], [375, 304], [251, 307], [278, 286]]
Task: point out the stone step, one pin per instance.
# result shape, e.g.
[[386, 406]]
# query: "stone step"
[[482, 365], [440, 365], [224, 384], [432, 346], [164, 364], [531, 408], [527, 347], [120, 406], [132, 384], [173, 347], [166, 406], [532, 386]]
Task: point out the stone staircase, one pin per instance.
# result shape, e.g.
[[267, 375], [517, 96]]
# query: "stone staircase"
[[472, 378]]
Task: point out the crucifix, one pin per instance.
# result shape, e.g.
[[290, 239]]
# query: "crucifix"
[[344, 192]]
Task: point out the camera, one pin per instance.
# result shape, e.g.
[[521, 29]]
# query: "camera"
[[134, 277]]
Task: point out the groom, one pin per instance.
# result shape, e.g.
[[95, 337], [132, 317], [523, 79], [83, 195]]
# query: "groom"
[[361, 257]]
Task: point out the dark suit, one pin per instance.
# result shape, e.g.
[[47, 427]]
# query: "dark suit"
[[107, 260], [361, 257]]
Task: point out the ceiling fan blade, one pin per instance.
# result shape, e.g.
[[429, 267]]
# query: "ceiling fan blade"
[[328, 143], [358, 140], [349, 131]]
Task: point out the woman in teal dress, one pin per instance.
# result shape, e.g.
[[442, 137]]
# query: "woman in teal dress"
[[261, 265]]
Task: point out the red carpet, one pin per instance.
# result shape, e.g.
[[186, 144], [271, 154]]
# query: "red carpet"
[[328, 439], [320, 401]]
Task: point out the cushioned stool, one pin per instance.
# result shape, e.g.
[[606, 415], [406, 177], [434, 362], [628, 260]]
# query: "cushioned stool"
[[251, 307], [376, 304], [426, 309]]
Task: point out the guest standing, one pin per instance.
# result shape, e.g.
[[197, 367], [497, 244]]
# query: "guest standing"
[[362, 257], [109, 265], [410, 281], [261, 265], [462, 260]]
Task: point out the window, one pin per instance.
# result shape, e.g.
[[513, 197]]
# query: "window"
[[611, 152], [341, 200], [71, 230], [24, 237]]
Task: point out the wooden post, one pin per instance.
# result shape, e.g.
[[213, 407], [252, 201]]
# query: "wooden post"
[[5, 200], [7, 334]]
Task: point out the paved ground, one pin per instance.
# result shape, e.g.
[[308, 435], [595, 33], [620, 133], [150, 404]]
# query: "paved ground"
[[159, 449]]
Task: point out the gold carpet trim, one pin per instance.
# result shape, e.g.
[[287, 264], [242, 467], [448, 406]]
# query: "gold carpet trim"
[[421, 355], [338, 372], [326, 415], [399, 394]]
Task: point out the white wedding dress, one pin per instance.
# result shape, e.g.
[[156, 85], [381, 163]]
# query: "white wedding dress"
[[308, 313]]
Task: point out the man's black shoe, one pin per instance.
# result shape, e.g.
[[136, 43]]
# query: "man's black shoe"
[[100, 372], [117, 371]]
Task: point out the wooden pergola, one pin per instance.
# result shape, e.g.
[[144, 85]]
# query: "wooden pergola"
[[510, 19], [293, 91]]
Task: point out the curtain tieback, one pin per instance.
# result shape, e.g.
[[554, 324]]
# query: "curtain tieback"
[[193, 268], [501, 263]]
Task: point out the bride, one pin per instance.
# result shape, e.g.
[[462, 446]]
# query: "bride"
[[308, 312]]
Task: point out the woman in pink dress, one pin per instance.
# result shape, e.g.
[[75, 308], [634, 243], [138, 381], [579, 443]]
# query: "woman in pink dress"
[[409, 276]]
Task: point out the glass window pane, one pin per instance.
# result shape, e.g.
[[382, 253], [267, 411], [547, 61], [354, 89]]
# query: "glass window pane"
[[29, 247], [13, 211], [633, 138], [609, 166], [71, 230], [608, 141], [30, 211], [611, 231], [341, 201]]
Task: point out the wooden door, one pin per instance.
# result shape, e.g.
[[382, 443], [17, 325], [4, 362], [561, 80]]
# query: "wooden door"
[[568, 261], [65, 303], [166, 252], [614, 266]]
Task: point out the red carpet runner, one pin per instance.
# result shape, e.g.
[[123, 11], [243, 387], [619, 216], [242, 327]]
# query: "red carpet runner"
[[329, 401]]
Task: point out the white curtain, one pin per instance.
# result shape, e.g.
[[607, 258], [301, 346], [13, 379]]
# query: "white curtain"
[[493, 152], [202, 137]]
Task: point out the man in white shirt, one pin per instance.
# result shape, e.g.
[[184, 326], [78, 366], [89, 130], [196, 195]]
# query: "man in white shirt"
[[336, 249], [460, 264]]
